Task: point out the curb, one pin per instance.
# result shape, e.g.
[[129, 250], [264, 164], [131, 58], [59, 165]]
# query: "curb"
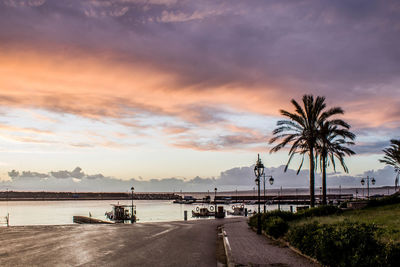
[[227, 247]]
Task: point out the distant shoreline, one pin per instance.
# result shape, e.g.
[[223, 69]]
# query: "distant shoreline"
[[65, 196]]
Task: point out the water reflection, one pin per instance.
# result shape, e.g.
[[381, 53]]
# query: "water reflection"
[[61, 212]]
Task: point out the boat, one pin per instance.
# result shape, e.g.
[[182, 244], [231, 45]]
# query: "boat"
[[185, 200], [121, 213], [238, 210], [203, 212]]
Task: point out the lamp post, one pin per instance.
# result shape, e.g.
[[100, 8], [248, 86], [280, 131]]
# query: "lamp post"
[[271, 181], [215, 200], [368, 178], [132, 188], [258, 171]]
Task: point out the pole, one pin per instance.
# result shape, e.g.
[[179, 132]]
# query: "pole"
[[259, 211], [368, 186], [264, 195], [215, 201], [236, 196], [132, 205], [258, 187]]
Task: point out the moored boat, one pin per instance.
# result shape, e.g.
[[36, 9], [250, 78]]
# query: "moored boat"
[[238, 210], [203, 212], [121, 213]]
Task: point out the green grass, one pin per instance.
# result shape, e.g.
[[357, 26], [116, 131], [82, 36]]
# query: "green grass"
[[387, 218]]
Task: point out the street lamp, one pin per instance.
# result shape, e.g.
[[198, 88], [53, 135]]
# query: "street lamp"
[[132, 189], [258, 172], [215, 200], [368, 178], [271, 181]]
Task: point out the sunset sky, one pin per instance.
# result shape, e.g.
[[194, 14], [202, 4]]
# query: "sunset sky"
[[154, 89]]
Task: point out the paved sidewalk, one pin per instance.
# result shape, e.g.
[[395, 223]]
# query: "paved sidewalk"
[[251, 249]]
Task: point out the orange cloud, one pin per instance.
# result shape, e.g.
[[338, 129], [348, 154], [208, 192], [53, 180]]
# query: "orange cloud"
[[23, 130], [99, 87]]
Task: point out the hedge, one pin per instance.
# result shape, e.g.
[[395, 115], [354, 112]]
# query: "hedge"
[[344, 244]]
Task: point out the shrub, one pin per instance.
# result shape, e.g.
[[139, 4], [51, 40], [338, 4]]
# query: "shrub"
[[388, 200], [275, 226], [304, 238], [392, 254], [319, 211], [341, 244], [253, 220], [285, 215]]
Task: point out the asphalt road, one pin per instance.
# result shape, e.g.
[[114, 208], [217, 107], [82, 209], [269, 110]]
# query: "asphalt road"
[[144, 244]]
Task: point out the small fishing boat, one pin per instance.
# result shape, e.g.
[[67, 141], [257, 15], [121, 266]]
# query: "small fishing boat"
[[203, 212], [238, 210], [121, 213]]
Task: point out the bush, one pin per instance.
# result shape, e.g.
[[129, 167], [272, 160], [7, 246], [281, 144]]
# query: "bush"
[[392, 254], [253, 220], [304, 238], [285, 215], [342, 244], [319, 211], [275, 226], [388, 200]]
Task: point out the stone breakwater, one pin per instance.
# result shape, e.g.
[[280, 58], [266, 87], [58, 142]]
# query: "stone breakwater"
[[43, 195]]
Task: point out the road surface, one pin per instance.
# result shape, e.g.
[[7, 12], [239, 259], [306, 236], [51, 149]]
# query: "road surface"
[[144, 244]]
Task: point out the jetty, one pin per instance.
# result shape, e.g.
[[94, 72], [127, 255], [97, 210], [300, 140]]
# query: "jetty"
[[88, 220]]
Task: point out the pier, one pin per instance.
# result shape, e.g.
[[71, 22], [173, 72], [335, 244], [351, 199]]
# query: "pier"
[[282, 199]]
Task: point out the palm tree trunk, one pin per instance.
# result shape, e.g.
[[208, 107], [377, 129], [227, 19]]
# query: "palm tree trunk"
[[312, 178], [324, 180]]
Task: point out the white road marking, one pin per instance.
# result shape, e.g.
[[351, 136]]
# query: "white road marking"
[[163, 232]]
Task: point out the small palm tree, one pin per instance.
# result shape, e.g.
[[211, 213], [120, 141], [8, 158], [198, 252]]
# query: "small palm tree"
[[332, 144], [392, 158], [301, 131]]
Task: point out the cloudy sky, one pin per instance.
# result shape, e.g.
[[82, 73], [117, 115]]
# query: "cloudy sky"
[[178, 89]]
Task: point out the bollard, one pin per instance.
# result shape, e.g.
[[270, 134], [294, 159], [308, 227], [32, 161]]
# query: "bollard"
[[291, 209], [185, 215], [245, 212]]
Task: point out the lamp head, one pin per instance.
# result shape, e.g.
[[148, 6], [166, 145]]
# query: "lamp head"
[[259, 168], [132, 188], [373, 181], [362, 181], [271, 180]]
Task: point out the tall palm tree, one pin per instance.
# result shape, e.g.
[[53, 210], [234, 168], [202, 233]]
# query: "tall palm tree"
[[301, 131], [332, 144], [392, 157]]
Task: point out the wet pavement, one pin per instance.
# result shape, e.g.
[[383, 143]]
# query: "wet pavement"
[[191, 243], [144, 244]]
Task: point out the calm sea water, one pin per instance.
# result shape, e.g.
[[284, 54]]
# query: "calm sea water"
[[61, 212]]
